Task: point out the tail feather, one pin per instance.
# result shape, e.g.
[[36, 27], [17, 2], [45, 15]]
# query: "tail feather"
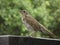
[[46, 31]]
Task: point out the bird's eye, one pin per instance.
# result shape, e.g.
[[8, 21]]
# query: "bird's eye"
[[24, 11]]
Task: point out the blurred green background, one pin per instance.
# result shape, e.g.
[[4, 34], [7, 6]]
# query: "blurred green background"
[[47, 12]]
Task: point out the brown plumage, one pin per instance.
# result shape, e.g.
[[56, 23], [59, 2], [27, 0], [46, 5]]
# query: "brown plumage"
[[33, 24]]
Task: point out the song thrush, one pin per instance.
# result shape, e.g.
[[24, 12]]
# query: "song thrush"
[[32, 24]]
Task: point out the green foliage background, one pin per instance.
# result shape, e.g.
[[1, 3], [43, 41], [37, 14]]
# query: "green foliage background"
[[47, 12]]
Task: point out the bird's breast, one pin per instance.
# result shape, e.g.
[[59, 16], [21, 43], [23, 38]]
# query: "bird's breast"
[[29, 27]]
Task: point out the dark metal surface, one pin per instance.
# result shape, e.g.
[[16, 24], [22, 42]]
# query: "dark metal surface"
[[4, 40], [18, 40]]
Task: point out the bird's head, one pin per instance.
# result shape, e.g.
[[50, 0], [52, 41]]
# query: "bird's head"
[[24, 12]]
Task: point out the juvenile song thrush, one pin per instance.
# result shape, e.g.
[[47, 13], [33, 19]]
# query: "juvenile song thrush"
[[33, 24]]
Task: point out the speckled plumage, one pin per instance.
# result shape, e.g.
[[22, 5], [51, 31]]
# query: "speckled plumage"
[[33, 24]]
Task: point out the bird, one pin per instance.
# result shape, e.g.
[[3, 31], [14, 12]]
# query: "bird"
[[32, 24]]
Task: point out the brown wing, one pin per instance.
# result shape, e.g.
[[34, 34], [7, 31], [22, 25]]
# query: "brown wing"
[[32, 22], [37, 26]]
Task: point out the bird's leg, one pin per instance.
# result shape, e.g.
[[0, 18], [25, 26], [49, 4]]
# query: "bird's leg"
[[35, 34], [31, 34]]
